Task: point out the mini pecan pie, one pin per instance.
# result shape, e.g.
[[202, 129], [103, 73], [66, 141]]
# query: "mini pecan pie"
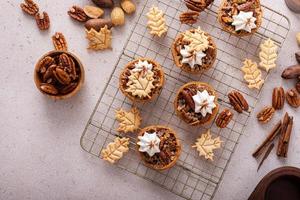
[[141, 80], [240, 17], [196, 103], [194, 51], [159, 147]]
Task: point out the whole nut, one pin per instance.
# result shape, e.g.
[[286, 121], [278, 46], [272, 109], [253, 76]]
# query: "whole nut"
[[97, 24], [117, 16], [104, 3], [293, 99], [128, 6], [291, 72], [93, 12]]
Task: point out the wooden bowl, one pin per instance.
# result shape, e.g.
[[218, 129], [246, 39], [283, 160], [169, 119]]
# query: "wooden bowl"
[[282, 183], [38, 80]]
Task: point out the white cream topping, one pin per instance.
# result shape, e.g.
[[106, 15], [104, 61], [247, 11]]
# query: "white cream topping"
[[204, 103], [191, 57], [149, 143], [244, 21], [142, 66]]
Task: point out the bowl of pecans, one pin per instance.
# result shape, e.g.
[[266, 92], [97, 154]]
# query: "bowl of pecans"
[[59, 74]]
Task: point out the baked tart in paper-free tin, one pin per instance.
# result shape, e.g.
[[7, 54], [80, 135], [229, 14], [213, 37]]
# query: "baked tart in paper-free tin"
[[158, 147], [141, 80], [194, 51], [240, 17], [196, 103]]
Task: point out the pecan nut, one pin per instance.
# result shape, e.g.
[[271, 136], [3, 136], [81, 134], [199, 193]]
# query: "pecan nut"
[[59, 42], [189, 17], [30, 7], [44, 64], [292, 97], [62, 76], [246, 7], [224, 118], [68, 64], [266, 114], [49, 73], [291, 72], [42, 21], [78, 14], [197, 5], [69, 88], [48, 88], [238, 101], [188, 97], [278, 98]]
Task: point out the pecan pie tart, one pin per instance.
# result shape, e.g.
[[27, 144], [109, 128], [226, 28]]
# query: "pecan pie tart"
[[158, 147], [194, 51], [141, 80], [196, 103], [240, 17]]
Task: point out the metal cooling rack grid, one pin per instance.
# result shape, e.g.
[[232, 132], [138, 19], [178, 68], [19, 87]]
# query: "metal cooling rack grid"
[[192, 177]]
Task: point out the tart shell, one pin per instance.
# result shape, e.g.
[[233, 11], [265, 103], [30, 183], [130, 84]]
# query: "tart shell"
[[208, 118], [177, 154], [156, 90]]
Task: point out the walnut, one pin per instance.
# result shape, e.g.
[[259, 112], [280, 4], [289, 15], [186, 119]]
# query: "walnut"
[[238, 101], [293, 99], [42, 21], [189, 17], [266, 114], [278, 98], [78, 14], [59, 42], [30, 7], [224, 118]]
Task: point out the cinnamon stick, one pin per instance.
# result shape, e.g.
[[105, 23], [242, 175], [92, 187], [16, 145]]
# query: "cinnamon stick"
[[285, 136], [270, 138], [266, 155]]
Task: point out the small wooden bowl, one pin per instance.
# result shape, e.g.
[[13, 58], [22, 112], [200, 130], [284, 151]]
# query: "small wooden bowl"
[[38, 81]]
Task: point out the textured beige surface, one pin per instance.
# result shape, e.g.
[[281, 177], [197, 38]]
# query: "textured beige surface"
[[40, 155]]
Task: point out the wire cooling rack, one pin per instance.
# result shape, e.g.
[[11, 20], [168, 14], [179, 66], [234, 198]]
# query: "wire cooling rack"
[[192, 177]]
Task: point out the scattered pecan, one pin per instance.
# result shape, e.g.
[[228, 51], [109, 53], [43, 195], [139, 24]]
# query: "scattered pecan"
[[298, 86], [297, 55], [62, 76], [68, 64], [42, 21], [224, 118], [30, 7], [278, 98], [266, 114], [292, 97], [188, 97], [48, 88], [44, 64], [59, 42], [189, 17], [238, 101], [78, 14], [291, 72], [197, 5], [246, 7]]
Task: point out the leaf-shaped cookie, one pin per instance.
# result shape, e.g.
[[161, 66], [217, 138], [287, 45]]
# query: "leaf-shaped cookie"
[[156, 22], [129, 121], [115, 150], [140, 86], [268, 55], [99, 40], [197, 39], [206, 145], [252, 74]]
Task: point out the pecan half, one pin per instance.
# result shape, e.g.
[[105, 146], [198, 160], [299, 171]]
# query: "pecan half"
[[188, 97], [68, 64], [45, 63], [189, 17], [292, 97], [224, 118], [48, 88], [69, 88], [59, 42], [266, 114], [42, 21], [291, 72], [30, 7], [49, 73], [278, 98], [62, 76], [238, 101], [78, 14], [197, 5], [298, 86]]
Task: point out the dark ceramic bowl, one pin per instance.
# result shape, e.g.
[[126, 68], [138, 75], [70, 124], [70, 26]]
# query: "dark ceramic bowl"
[[280, 184]]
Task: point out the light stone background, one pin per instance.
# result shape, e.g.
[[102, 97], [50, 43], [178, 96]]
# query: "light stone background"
[[40, 155]]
